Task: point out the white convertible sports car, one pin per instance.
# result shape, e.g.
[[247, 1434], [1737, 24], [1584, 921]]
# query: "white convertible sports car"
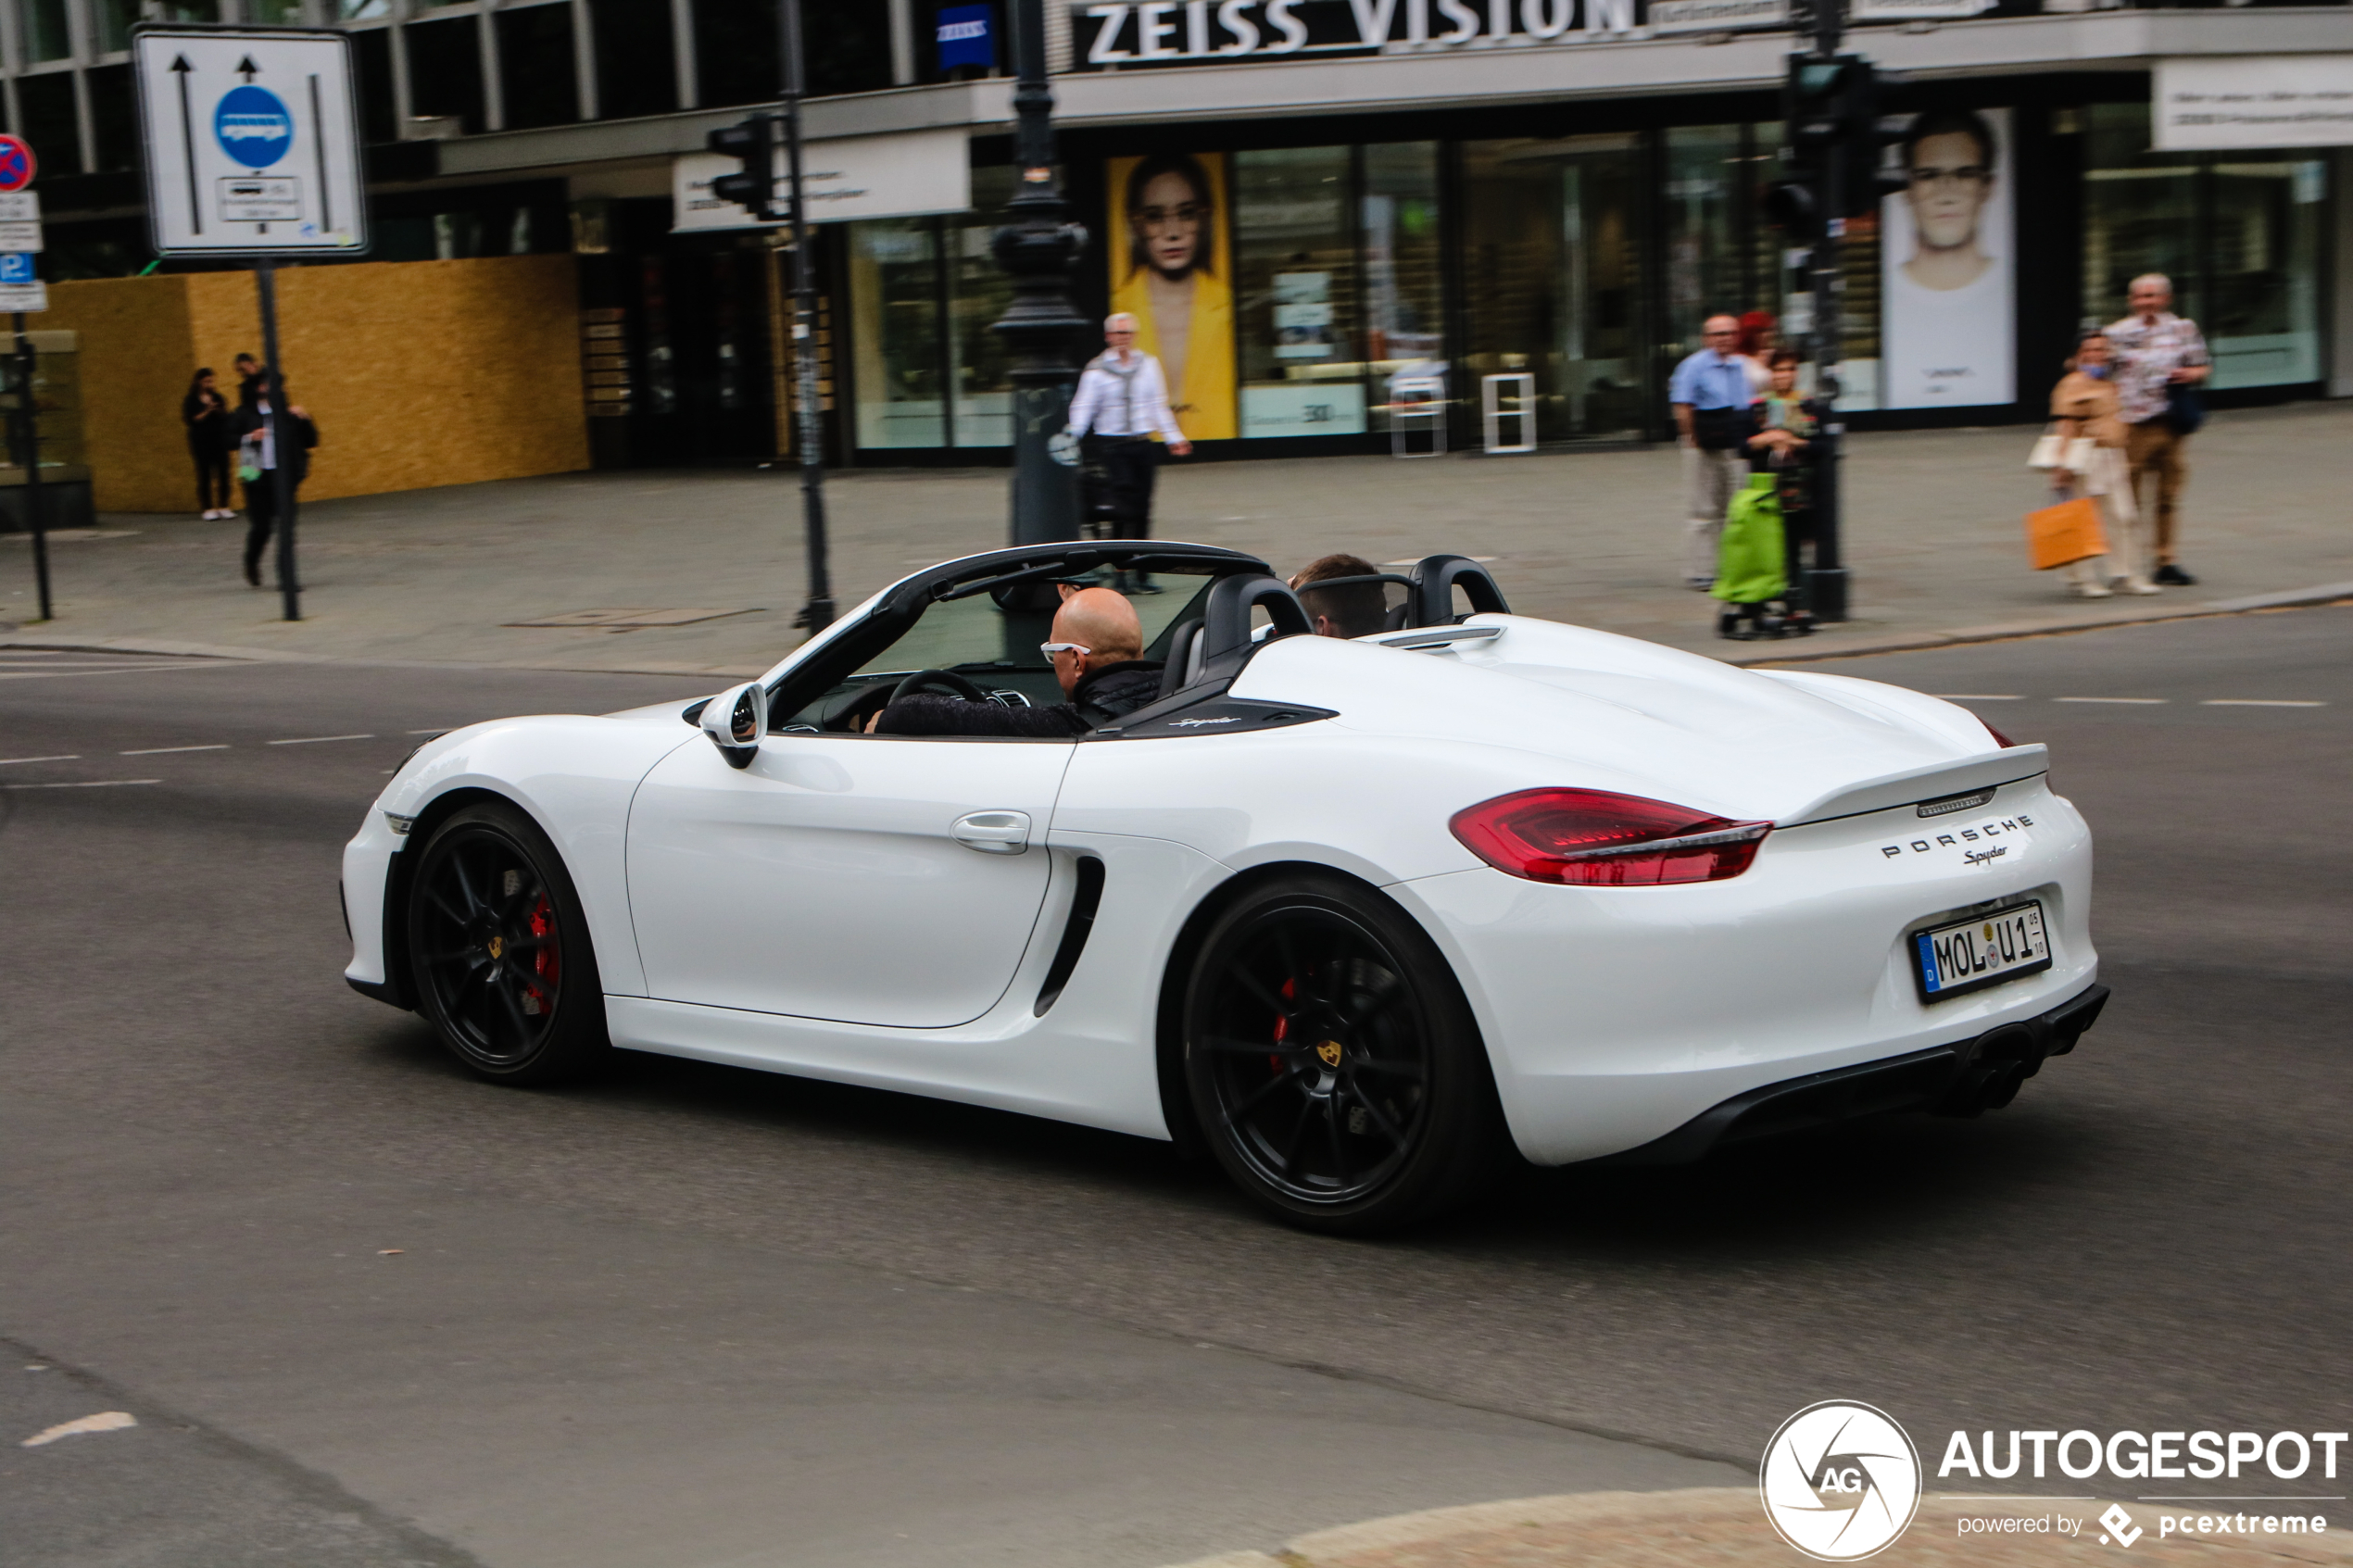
[[1357, 918]]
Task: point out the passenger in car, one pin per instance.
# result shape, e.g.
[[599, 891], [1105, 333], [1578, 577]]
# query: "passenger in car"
[[1098, 657], [1357, 610]]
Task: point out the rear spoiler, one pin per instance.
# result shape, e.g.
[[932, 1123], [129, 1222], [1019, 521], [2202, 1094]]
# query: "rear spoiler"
[[1938, 781]]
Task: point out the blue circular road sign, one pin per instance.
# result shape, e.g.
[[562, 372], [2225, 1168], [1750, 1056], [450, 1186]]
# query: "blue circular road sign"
[[253, 126]]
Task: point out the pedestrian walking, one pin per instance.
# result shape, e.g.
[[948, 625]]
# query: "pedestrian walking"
[[204, 412], [257, 459], [1121, 405], [2085, 408], [1710, 396], [2161, 361]]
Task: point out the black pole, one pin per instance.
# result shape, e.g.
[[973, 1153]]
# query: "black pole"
[[280, 478], [30, 410], [1826, 581], [809, 431], [1038, 247]]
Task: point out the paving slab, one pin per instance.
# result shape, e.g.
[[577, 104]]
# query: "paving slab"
[[695, 572]]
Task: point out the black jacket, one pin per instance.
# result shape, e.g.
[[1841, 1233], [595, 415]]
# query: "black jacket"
[[1105, 695], [206, 417], [249, 420]]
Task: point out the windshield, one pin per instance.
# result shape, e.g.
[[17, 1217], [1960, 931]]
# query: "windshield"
[[994, 647]]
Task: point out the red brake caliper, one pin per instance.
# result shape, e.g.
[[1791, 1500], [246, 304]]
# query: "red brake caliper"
[[543, 958], [1282, 1025]]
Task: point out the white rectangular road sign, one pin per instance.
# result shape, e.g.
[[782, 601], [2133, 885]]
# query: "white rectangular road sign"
[[23, 296], [19, 236], [20, 206], [252, 141]]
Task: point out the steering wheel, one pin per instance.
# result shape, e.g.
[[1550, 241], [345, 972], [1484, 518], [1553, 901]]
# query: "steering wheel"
[[937, 680]]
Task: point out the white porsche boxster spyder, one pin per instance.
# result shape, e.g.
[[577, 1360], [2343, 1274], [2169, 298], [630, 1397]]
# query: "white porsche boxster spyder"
[[1359, 919]]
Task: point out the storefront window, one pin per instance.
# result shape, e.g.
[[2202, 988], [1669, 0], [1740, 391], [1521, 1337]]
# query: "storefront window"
[[2263, 283], [979, 293], [2239, 233], [1295, 293], [1405, 310], [45, 37], [1707, 265], [1553, 271], [895, 289]]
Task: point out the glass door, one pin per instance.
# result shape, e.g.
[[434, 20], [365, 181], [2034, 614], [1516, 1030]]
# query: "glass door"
[[1554, 280]]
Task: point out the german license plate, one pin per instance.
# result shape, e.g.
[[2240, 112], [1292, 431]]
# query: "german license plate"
[[1971, 954]]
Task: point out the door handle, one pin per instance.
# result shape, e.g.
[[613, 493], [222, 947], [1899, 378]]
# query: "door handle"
[[993, 832]]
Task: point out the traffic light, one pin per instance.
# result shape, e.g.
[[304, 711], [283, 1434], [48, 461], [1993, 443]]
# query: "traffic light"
[[1860, 183], [1832, 143], [753, 188]]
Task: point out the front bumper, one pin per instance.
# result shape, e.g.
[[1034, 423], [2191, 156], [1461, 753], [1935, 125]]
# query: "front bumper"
[[1964, 1079]]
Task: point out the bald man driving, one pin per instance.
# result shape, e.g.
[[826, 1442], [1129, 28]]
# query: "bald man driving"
[[1097, 656]]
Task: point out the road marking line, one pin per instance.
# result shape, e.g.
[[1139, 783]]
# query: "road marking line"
[[168, 750], [2257, 702], [105, 1421], [66, 756], [429, 731], [2132, 701], [314, 740], [1978, 696], [82, 783]]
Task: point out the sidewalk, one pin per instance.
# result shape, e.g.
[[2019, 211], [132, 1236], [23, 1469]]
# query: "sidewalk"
[[1726, 1527], [1934, 542]]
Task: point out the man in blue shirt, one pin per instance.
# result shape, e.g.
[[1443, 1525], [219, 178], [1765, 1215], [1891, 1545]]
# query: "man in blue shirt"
[[1711, 394]]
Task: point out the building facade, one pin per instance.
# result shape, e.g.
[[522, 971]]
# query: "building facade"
[[1306, 200]]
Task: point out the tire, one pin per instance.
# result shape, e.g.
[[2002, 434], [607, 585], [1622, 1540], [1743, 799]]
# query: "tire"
[[503, 967], [1333, 1067]]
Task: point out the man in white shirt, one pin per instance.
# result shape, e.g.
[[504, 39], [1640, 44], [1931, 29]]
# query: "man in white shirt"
[[1122, 404]]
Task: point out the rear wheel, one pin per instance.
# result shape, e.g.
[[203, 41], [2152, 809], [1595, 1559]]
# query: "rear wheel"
[[1333, 1066], [503, 969]]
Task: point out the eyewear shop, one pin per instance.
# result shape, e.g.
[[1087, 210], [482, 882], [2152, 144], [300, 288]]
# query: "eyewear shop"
[[1287, 288]]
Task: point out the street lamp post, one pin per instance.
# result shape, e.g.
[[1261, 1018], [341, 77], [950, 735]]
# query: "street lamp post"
[[1038, 247]]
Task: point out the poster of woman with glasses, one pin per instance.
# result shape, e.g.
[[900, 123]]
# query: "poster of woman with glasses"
[[1171, 270], [1945, 259]]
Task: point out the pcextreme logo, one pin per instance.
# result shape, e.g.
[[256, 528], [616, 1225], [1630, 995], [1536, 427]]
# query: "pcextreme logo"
[[1841, 1481]]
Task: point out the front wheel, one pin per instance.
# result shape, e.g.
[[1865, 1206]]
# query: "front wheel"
[[504, 969], [1333, 1066]]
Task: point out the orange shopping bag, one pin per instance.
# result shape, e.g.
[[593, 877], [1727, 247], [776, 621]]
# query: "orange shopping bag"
[[2068, 532]]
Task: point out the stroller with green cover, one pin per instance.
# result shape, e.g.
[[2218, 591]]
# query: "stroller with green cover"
[[1753, 569]]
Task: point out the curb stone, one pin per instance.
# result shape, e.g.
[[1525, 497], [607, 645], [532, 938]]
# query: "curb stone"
[[1914, 641], [1725, 1527]]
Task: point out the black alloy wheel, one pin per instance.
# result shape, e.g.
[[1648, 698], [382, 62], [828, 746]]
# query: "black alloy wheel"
[[503, 964], [1334, 1068]]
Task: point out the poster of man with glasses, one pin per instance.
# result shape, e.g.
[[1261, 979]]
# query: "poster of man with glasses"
[[1946, 266]]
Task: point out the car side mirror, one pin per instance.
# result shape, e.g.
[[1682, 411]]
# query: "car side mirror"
[[734, 721]]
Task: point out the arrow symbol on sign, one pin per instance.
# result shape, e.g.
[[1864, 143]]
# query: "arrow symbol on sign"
[[180, 68], [246, 68]]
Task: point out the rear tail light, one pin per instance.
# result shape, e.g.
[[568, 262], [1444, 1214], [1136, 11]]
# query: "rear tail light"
[[1593, 838], [1999, 738]]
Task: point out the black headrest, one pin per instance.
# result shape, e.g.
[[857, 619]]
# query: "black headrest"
[[1225, 637], [1435, 579]]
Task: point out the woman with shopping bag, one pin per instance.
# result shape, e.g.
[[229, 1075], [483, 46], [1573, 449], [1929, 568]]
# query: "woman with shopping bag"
[[2084, 450]]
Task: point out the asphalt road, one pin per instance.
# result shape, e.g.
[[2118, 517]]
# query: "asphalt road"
[[366, 1310]]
